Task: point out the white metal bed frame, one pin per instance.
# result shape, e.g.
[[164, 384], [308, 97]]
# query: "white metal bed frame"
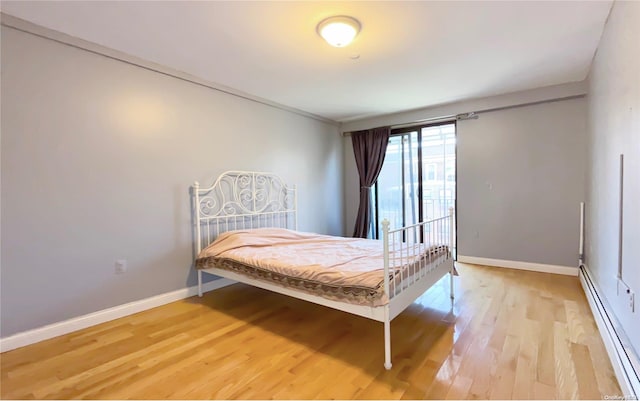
[[246, 200]]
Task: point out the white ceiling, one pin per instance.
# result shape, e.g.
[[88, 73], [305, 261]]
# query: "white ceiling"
[[412, 54]]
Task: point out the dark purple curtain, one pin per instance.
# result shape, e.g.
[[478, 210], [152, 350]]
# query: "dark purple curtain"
[[369, 147]]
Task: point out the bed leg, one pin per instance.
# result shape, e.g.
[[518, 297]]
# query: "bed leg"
[[199, 283], [451, 291], [387, 339]]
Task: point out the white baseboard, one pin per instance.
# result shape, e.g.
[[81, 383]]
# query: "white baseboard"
[[513, 264], [619, 354], [78, 323]]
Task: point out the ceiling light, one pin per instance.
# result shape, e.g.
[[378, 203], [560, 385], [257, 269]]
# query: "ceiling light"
[[339, 31]]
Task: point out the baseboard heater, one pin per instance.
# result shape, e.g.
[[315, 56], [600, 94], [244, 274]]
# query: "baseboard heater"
[[623, 358]]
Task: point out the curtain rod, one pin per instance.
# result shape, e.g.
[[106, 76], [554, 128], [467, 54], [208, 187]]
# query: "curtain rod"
[[436, 120], [473, 115], [426, 121]]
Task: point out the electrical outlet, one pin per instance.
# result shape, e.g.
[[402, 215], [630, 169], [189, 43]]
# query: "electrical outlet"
[[120, 266], [628, 295]]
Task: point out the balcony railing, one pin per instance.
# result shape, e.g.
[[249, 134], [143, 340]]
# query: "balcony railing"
[[432, 208]]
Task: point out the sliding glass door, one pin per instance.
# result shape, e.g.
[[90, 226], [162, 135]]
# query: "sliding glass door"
[[418, 179]]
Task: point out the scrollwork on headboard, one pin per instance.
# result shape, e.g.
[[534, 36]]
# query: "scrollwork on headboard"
[[243, 199]]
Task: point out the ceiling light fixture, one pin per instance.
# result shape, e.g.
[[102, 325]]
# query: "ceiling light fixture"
[[338, 31]]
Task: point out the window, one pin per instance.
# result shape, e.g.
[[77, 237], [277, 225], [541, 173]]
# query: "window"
[[430, 172], [409, 189]]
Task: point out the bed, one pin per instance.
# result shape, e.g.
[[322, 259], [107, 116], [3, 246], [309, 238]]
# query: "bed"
[[246, 230]]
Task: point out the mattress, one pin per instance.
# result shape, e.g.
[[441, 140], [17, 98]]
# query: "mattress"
[[343, 269]]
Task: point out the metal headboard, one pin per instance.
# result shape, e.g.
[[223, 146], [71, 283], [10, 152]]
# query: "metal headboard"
[[242, 200]]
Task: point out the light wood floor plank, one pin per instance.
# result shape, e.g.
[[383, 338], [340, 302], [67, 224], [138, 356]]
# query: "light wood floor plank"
[[459, 389], [505, 377], [566, 379], [587, 384]]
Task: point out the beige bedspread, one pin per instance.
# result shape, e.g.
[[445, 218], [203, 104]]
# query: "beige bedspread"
[[318, 263]]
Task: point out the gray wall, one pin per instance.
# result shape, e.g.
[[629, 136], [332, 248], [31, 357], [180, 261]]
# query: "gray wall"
[[614, 128], [520, 181], [97, 159]]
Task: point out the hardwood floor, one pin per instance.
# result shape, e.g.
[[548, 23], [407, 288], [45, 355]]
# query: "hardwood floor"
[[510, 334]]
